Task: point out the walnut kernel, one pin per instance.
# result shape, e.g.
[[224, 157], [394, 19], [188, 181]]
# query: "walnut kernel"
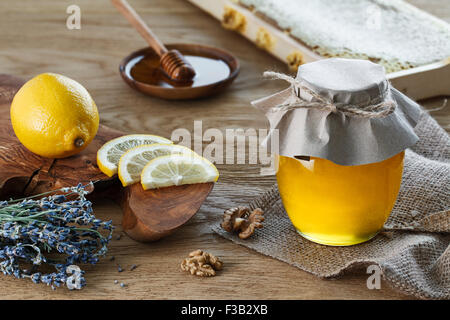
[[201, 264], [241, 220]]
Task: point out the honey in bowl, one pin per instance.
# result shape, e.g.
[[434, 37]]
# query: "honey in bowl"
[[215, 70], [338, 205], [146, 69]]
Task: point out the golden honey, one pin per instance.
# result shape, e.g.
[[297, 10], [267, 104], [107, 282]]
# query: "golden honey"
[[338, 205]]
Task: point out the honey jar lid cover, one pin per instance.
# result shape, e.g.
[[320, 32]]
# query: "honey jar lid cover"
[[343, 110]]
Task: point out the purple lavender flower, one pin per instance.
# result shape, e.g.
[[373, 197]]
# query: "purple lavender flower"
[[29, 229]]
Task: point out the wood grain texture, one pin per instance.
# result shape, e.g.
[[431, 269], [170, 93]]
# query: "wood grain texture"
[[34, 39], [172, 62], [153, 214], [24, 173], [136, 21], [149, 215]]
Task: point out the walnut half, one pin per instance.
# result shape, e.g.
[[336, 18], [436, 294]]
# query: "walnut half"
[[201, 264], [241, 220]]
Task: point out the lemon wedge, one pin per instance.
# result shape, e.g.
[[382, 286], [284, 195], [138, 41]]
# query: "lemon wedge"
[[109, 154], [178, 169], [134, 160]]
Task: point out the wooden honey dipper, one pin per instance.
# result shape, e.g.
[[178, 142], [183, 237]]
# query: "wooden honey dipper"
[[172, 62]]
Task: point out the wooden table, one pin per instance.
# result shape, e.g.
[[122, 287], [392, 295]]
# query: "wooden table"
[[34, 39]]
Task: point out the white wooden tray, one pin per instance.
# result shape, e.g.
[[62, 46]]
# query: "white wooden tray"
[[418, 83]]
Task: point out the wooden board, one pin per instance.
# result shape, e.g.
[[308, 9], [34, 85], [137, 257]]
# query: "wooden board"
[[38, 41], [24, 173], [148, 215], [418, 83]]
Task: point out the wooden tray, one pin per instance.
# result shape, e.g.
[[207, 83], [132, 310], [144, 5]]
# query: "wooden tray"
[[148, 215], [418, 83]]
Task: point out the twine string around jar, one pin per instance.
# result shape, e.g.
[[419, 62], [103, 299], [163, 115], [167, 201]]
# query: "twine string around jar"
[[372, 109]]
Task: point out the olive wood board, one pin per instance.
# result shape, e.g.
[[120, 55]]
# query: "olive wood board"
[[148, 215]]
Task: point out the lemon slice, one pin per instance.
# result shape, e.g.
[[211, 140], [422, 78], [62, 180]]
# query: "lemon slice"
[[178, 169], [109, 154], [134, 160]]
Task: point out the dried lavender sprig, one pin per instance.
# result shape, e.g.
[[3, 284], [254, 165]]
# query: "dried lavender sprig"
[[80, 189], [51, 224]]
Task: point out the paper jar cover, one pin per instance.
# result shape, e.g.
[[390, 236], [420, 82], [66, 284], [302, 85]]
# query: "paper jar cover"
[[336, 136]]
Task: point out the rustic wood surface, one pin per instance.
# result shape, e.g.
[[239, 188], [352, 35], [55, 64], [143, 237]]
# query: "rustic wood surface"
[[23, 173], [172, 62], [34, 39], [147, 215]]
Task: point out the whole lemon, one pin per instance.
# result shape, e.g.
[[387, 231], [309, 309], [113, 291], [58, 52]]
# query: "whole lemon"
[[54, 116]]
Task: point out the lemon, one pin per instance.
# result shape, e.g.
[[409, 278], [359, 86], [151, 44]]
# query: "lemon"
[[178, 169], [109, 154], [54, 116], [134, 160]]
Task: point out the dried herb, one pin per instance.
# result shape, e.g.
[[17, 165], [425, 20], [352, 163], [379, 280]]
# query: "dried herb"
[[51, 231]]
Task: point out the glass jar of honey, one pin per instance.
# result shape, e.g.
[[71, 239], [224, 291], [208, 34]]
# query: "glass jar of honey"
[[338, 205], [340, 131]]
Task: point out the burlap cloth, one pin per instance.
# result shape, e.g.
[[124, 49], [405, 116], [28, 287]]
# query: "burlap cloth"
[[413, 252]]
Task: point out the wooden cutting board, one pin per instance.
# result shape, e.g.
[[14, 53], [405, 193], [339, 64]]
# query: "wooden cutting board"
[[148, 215], [25, 173]]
